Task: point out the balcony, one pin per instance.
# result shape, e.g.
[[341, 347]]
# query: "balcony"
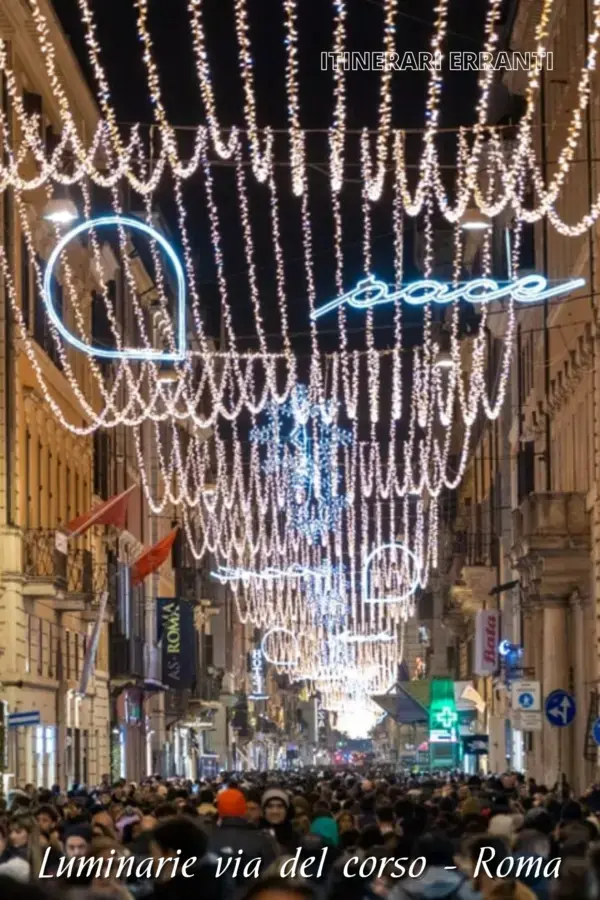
[[176, 707], [476, 561], [126, 658], [55, 570], [207, 690]]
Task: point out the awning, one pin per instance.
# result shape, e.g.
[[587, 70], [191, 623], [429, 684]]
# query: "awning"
[[408, 704]]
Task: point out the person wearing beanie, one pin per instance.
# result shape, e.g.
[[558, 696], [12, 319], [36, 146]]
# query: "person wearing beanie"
[[231, 804], [78, 840], [234, 836], [277, 819]]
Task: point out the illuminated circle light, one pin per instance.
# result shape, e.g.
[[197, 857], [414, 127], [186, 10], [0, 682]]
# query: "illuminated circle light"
[[127, 352], [371, 292], [286, 633], [403, 551]]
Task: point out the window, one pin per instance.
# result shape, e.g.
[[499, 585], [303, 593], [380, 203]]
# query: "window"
[[40, 321], [28, 479], [25, 283], [32, 104], [41, 328], [49, 494], [59, 492], [40, 484], [526, 470], [101, 464], [102, 333]]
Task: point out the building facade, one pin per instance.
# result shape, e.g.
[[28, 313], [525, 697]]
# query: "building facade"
[[121, 720], [525, 535]]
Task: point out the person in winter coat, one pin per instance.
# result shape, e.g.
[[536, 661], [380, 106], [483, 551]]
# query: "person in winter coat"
[[441, 879], [533, 845], [277, 819], [234, 833], [23, 849], [183, 841]]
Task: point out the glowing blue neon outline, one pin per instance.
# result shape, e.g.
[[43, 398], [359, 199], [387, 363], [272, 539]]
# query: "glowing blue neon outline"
[[129, 352], [279, 629], [371, 292], [365, 575]]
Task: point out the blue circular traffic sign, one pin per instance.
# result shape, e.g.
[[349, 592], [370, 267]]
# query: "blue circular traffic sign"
[[526, 700], [560, 708], [596, 731]]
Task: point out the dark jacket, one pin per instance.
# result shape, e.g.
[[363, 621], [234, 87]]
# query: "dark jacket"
[[233, 834], [203, 884], [285, 835], [537, 884], [436, 883]]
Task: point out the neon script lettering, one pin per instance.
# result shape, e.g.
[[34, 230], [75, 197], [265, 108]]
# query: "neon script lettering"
[[371, 292]]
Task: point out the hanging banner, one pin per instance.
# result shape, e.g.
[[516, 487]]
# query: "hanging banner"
[[177, 636], [487, 638]]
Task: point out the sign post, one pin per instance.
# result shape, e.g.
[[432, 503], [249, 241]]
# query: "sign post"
[[560, 708]]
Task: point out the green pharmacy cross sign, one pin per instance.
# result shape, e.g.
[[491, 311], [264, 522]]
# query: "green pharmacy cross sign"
[[447, 717], [443, 725]]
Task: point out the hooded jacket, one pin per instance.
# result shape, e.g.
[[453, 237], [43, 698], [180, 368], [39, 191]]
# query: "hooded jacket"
[[436, 883]]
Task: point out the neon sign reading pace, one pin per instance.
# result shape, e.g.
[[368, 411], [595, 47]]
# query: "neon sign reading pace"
[[371, 292], [126, 352]]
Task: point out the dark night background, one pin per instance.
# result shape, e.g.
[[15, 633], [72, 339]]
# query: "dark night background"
[[171, 33]]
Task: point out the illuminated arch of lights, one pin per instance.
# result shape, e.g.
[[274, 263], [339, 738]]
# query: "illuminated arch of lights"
[[288, 574]]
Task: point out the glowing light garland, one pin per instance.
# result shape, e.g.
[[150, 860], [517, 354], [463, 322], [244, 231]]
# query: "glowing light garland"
[[283, 529]]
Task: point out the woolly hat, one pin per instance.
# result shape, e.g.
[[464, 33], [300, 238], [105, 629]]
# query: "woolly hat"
[[275, 793], [83, 830], [231, 803], [327, 829]]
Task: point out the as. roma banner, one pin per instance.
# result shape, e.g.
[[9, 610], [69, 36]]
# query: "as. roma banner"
[[177, 636]]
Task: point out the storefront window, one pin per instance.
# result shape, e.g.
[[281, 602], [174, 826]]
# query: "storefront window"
[[51, 755]]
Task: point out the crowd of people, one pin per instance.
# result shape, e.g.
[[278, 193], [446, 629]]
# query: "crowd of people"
[[306, 835]]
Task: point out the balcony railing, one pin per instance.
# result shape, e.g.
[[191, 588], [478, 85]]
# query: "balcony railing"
[[72, 572], [207, 688], [477, 548]]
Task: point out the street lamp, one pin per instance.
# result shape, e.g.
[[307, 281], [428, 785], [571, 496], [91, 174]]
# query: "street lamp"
[[474, 220], [60, 211]]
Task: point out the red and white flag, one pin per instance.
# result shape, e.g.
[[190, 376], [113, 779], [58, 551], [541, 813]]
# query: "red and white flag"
[[112, 512]]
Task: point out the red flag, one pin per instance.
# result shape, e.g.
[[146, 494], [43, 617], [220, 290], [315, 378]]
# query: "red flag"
[[153, 558], [112, 512]]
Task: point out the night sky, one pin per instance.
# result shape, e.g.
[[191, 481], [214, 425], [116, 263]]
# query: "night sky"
[[168, 22]]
